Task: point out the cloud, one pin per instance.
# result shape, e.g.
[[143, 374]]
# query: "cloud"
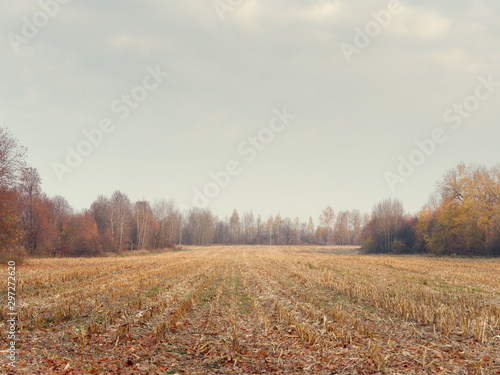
[[321, 11], [253, 15], [420, 23], [451, 57], [135, 42]]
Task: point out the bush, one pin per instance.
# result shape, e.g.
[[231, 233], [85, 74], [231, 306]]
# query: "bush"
[[17, 255]]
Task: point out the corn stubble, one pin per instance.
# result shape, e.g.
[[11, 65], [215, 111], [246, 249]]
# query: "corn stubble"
[[243, 309]]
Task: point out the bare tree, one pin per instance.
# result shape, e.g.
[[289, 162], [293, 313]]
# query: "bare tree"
[[12, 159], [259, 227], [270, 229], [248, 227], [103, 216], [388, 216], [61, 211], [310, 230], [200, 227], [341, 228], [145, 224], [356, 227], [30, 187], [121, 208], [287, 227], [327, 220], [167, 216], [235, 227], [297, 227], [277, 229]]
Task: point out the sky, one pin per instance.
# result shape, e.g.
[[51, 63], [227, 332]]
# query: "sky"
[[272, 106]]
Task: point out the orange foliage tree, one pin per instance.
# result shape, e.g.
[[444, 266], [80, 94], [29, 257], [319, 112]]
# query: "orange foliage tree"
[[467, 217]]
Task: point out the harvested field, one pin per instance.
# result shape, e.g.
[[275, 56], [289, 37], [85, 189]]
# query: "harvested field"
[[257, 309]]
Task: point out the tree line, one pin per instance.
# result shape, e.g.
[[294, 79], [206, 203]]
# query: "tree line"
[[35, 224], [462, 217]]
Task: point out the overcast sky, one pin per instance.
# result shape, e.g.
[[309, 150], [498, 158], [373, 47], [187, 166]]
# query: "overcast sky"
[[344, 88]]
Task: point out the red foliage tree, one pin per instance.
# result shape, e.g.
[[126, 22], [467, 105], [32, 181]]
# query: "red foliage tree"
[[79, 236]]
